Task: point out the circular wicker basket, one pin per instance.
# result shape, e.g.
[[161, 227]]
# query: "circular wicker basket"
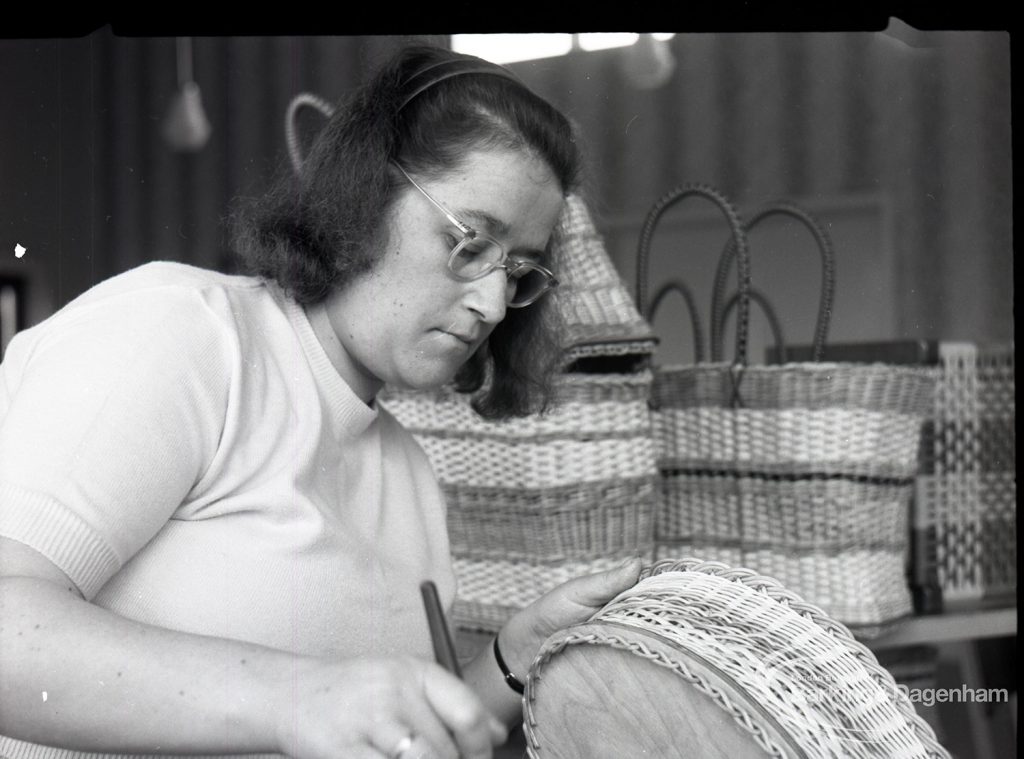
[[700, 659]]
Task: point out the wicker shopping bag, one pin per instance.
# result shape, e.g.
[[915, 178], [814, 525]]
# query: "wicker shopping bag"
[[580, 496], [801, 471]]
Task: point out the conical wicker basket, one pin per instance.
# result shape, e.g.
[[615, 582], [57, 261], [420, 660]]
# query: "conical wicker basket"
[[599, 314]]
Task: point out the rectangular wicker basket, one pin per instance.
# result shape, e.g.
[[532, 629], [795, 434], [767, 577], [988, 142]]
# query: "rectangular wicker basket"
[[537, 501]]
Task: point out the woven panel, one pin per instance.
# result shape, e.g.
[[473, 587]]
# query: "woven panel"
[[802, 472], [848, 386], [968, 493], [756, 513], [582, 521], [596, 404], [551, 463], [790, 441], [784, 670], [491, 590]]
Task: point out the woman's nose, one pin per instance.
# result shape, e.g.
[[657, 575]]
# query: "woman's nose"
[[487, 296]]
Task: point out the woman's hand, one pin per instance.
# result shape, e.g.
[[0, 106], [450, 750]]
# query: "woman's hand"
[[149, 690], [570, 603], [391, 708]]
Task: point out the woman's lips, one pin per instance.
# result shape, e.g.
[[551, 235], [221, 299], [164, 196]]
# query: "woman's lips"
[[464, 339]]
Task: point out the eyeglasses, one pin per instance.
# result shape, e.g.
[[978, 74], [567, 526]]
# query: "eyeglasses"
[[477, 254]]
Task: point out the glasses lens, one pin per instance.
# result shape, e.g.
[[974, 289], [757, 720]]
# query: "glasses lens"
[[529, 284], [475, 256]]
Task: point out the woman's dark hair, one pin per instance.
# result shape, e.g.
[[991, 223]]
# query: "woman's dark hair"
[[315, 233]]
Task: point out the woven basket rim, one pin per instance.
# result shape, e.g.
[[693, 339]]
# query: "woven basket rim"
[[586, 635], [834, 632]]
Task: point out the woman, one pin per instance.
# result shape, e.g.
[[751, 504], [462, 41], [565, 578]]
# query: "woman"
[[212, 536]]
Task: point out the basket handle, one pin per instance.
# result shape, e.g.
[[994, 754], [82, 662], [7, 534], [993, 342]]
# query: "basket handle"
[[828, 276], [290, 134], [680, 287], [739, 245], [756, 296]]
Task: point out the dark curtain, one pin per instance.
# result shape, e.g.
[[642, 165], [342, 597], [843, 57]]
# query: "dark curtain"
[[89, 186]]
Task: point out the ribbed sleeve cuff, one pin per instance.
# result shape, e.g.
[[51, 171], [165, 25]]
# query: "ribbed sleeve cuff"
[[45, 524], [14, 749]]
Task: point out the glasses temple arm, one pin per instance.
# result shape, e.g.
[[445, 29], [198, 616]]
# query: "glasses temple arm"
[[465, 229]]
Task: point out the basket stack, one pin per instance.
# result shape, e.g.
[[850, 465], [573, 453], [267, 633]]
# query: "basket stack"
[[536, 501], [967, 494]]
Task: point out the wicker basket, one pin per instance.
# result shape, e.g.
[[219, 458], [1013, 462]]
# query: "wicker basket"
[[800, 471], [598, 312], [792, 679], [534, 502], [968, 491]]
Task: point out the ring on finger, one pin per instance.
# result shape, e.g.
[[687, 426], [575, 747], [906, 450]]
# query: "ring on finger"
[[401, 747]]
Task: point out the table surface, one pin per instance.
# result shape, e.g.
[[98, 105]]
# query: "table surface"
[[957, 622]]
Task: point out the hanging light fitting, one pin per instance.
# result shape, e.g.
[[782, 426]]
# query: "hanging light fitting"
[[185, 126]]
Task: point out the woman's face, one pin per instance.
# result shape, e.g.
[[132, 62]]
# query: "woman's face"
[[409, 322]]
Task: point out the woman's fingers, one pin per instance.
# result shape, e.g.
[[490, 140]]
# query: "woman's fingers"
[[570, 603], [402, 743], [428, 731], [595, 590], [574, 601], [395, 708], [474, 730], [441, 718]]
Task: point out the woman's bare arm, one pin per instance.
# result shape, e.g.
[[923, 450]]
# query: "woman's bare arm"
[[78, 676]]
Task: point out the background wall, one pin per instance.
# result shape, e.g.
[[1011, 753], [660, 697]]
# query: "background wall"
[[87, 183], [903, 150], [901, 147]]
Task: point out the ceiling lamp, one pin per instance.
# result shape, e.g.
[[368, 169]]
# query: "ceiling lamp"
[[186, 127]]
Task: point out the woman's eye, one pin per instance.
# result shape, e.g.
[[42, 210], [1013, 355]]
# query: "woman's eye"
[[518, 269]]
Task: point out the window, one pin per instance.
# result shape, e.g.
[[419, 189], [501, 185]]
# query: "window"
[[507, 48]]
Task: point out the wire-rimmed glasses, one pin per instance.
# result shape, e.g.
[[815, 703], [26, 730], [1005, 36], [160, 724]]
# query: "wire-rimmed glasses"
[[477, 254]]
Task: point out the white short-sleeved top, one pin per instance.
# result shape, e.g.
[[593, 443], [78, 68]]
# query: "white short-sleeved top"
[[177, 441]]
